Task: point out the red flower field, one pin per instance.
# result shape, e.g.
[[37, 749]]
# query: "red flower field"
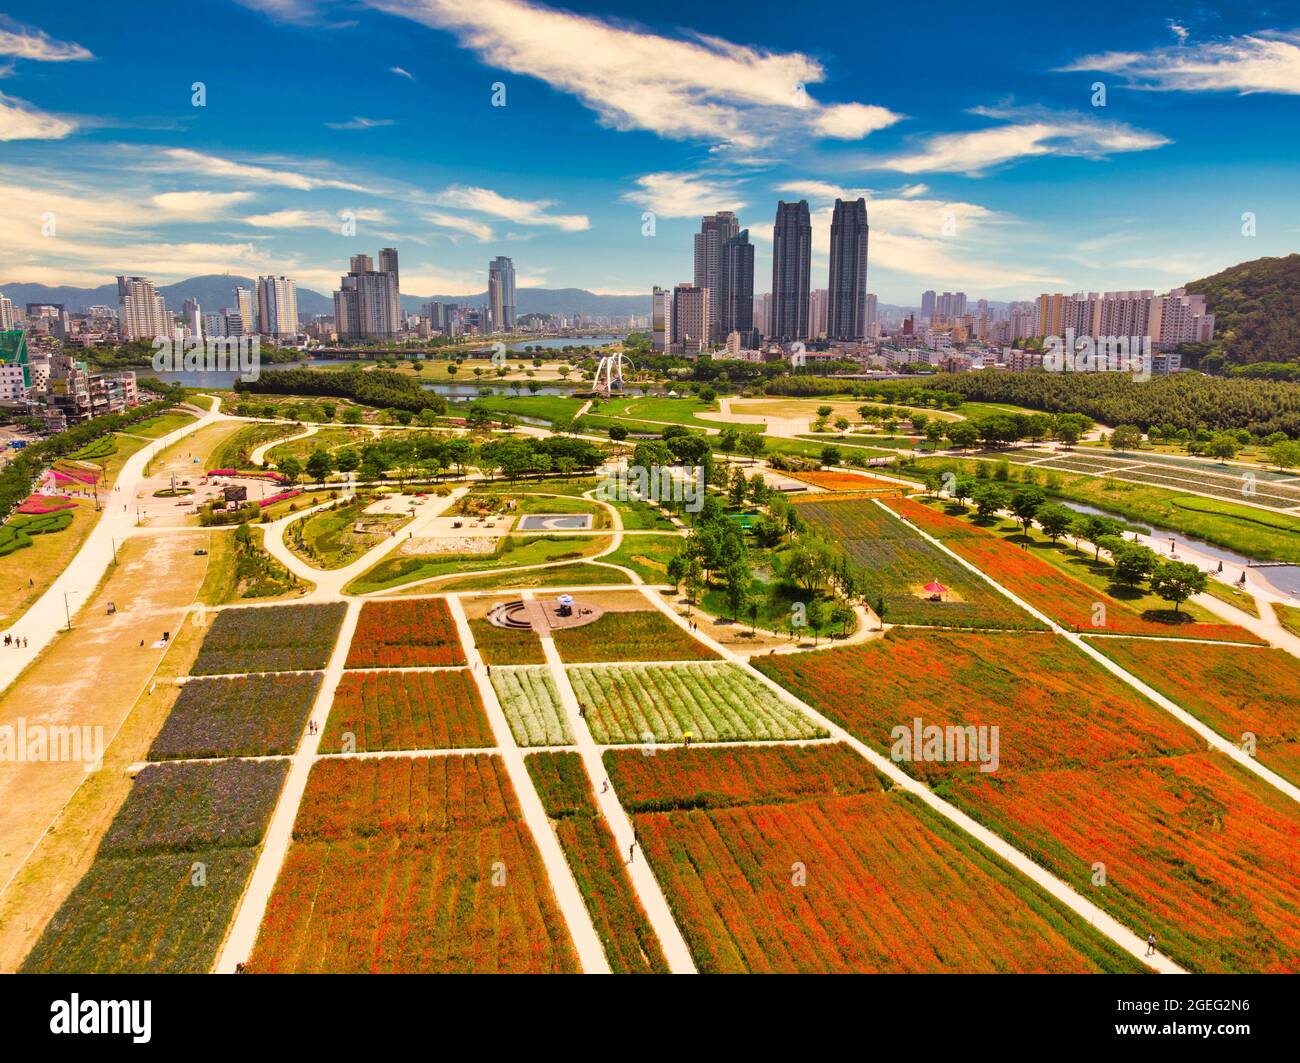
[[1233, 689], [1068, 601], [405, 634], [853, 878], [412, 864], [1194, 848], [407, 710]]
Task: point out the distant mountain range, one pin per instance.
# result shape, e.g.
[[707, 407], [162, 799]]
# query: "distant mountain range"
[[214, 291]]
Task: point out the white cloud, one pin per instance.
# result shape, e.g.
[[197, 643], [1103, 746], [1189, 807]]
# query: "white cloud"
[[1268, 61], [401, 73], [199, 205], [19, 120], [1026, 133], [1178, 29], [682, 195], [702, 88], [23, 42], [481, 231], [519, 211], [198, 164], [358, 122]]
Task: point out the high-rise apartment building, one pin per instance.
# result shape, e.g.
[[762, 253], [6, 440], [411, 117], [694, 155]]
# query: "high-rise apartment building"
[[871, 309], [142, 314], [735, 289], [501, 293], [8, 318], [277, 307], [193, 315], [690, 319], [661, 319], [846, 311], [927, 304], [367, 305], [818, 303], [1184, 319], [246, 307], [763, 314], [791, 269], [715, 231]]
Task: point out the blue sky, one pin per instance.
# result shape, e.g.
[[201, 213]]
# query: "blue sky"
[[973, 132]]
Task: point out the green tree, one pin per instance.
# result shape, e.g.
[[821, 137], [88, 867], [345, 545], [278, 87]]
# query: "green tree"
[[320, 464], [1055, 519], [1133, 563], [290, 468], [1126, 437], [1176, 581], [1025, 503], [989, 498]]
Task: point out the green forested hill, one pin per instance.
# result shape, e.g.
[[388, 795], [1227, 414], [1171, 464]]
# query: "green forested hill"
[[1257, 312]]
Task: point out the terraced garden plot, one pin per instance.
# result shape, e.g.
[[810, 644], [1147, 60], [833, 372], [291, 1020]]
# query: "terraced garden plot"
[[1261, 496], [640, 635], [1196, 850], [715, 702], [532, 706], [412, 865], [405, 634], [276, 638], [625, 933], [504, 645], [406, 710], [241, 716], [777, 860], [168, 875], [898, 564], [1068, 601], [1237, 691]]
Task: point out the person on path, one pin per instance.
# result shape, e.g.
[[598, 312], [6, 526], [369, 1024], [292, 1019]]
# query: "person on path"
[[631, 853], [1151, 944], [687, 739], [605, 789]]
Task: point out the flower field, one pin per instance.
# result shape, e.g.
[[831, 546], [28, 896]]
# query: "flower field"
[[829, 872], [503, 645], [407, 710], [1233, 689], [532, 706], [597, 864], [1068, 601], [418, 633], [243, 716], [898, 563], [277, 638], [169, 873], [715, 702], [847, 481], [38, 504], [403, 864], [642, 635], [1195, 849]]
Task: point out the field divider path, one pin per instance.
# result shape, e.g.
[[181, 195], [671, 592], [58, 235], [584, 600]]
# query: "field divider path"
[[1098, 919], [1212, 737], [591, 954], [644, 882], [238, 946], [257, 456]]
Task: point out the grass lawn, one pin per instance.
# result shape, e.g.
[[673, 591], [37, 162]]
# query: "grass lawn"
[[514, 552], [671, 411], [157, 427], [541, 407], [647, 555], [712, 701], [328, 538], [1288, 616], [234, 451], [575, 575], [31, 569], [329, 438]]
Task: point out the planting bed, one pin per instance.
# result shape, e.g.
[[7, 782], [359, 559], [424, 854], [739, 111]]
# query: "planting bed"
[[277, 638], [405, 634], [640, 635], [406, 710], [532, 706], [243, 716]]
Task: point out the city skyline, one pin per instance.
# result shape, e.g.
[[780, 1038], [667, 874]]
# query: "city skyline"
[[1023, 186]]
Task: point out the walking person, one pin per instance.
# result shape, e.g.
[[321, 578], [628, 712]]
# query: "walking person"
[[1151, 944]]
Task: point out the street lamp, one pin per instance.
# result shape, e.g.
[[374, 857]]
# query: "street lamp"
[[66, 610]]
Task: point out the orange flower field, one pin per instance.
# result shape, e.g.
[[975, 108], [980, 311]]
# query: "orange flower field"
[[841, 877], [1237, 690], [405, 634], [407, 710], [412, 864], [1068, 601], [1092, 780]]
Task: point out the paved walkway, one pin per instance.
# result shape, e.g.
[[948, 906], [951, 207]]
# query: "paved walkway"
[[279, 833], [257, 456], [48, 615], [644, 882], [591, 954]]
